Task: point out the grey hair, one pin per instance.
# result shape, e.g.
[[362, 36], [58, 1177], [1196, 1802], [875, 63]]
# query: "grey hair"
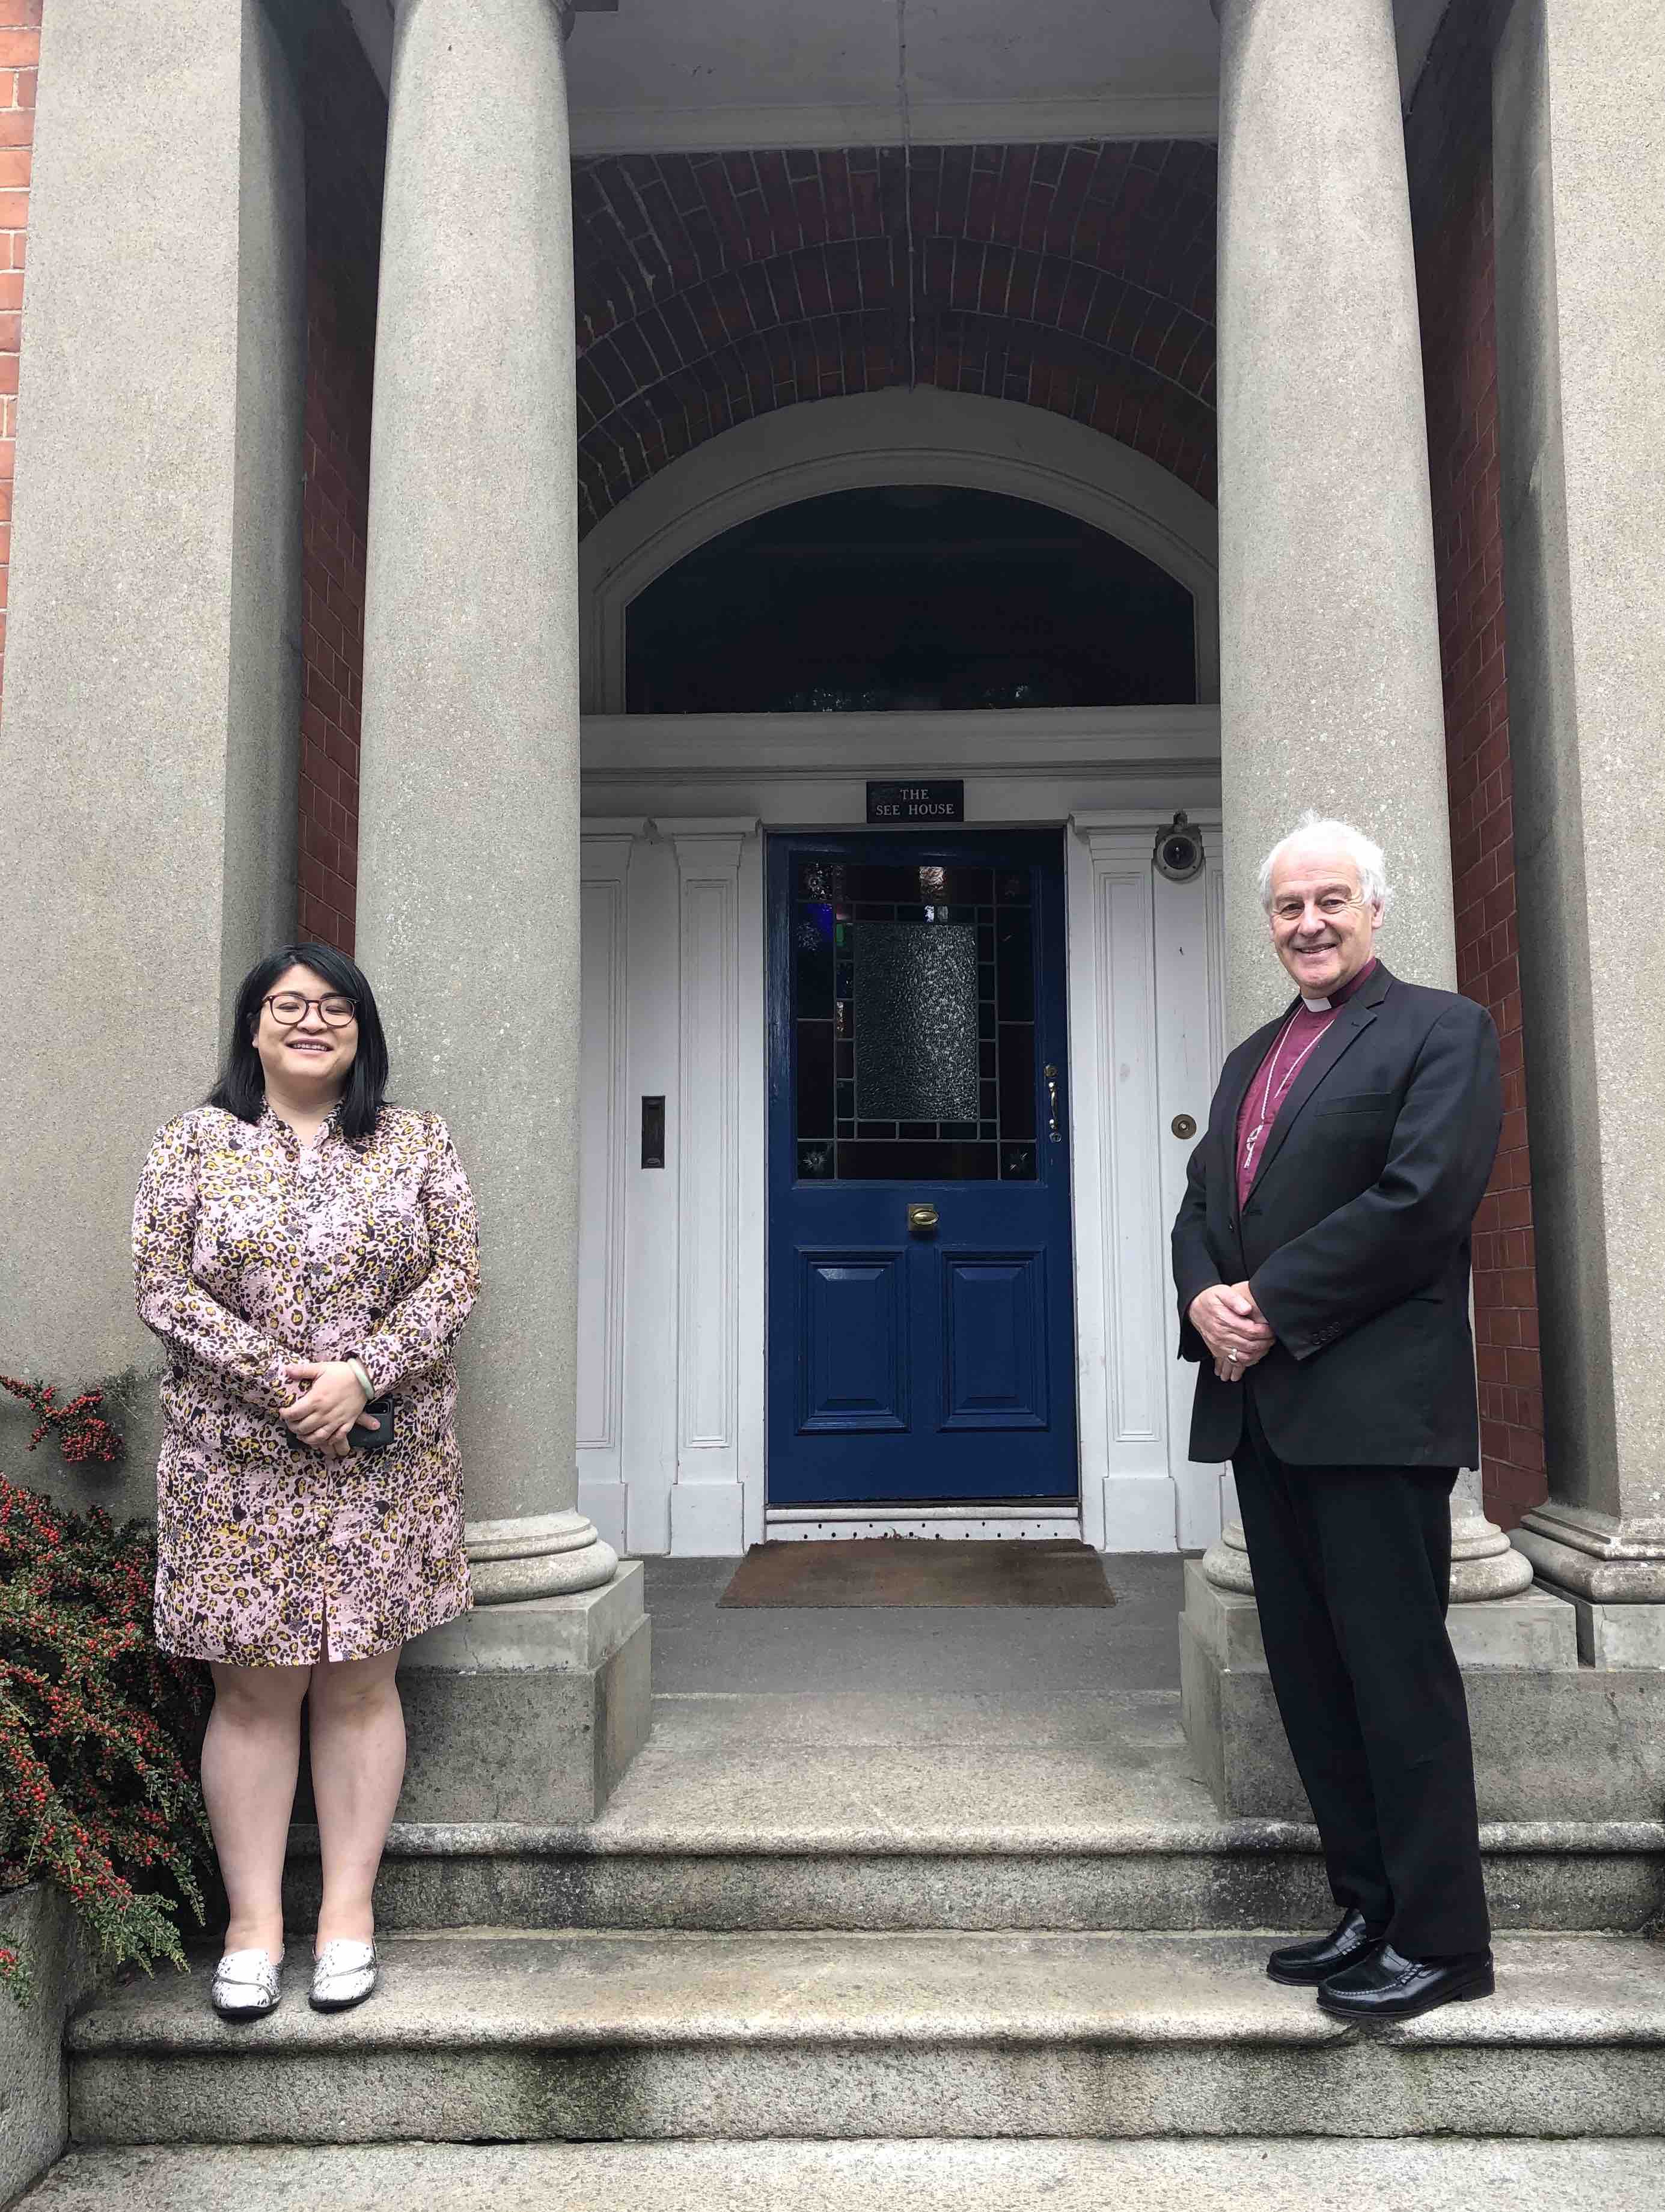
[[1315, 829]]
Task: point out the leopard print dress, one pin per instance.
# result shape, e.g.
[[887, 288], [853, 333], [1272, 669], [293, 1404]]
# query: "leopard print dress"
[[251, 1250]]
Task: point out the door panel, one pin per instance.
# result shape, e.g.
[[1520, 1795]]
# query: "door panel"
[[994, 1331], [853, 1357], [921, 1336]]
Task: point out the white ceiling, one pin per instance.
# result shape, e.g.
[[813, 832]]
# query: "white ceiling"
[[851, 72], [661, 74]]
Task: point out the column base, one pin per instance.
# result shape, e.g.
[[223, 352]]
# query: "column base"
[[1226, 1562], [543, 1555], [1612, 1573], [1610, 1561], [528, 1712], [1553, 1741], [1485, 1565]]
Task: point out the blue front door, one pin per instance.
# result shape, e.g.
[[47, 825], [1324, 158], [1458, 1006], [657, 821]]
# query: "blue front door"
[[921, 1337]]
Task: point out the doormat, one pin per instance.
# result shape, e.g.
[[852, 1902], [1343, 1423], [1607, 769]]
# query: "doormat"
[[914, 1570]]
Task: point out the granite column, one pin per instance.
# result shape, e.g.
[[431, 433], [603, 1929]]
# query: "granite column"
[[1579, 193], [469, 877], [468, 840], [1330, 655]]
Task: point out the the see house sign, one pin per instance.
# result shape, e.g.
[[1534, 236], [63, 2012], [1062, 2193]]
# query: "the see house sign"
[[916, 802]]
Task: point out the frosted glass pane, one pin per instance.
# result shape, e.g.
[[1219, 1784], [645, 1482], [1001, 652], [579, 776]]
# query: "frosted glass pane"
[[916, 1022]]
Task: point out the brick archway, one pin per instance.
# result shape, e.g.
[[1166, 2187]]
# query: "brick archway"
[[712, 288]]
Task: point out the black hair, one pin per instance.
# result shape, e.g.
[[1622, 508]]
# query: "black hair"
[[242, 1089]]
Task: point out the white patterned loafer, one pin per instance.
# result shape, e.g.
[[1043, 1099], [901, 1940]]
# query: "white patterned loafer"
[[244, 1984], [343, 1974]]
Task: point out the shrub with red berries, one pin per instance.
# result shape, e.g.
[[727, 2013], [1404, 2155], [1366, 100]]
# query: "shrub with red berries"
[[99, 1728], [81, 1430]]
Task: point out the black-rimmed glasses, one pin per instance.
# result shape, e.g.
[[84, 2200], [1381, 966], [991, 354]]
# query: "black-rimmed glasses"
[[289, 1007]]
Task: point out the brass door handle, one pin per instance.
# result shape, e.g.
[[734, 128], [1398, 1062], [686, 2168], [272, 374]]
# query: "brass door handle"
[[920, 1219], [1053, 1132]]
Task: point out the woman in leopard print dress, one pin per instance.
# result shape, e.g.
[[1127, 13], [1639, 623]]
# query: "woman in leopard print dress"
[[301, 1248]]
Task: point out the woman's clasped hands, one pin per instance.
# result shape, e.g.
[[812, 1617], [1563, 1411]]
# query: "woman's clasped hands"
[[331, 1404]]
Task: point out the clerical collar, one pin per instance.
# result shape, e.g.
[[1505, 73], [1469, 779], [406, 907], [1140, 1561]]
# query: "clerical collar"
[[1340, 997]]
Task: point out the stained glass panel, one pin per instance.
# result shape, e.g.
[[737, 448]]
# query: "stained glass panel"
[[913, 1003]]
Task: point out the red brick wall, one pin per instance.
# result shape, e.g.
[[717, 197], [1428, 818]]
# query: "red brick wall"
[[1448, 143], [713, 287], [346, 119], [20, 51]]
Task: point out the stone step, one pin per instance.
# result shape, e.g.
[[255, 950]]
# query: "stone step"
[[845, 1874], [1261, 2174], [859, 1811], [534, 2037]]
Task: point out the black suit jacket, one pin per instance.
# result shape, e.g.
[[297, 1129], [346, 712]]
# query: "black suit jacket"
[[1355, 1237]]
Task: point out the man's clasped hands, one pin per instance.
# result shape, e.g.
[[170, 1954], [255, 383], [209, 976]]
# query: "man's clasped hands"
[[1228, 1322]]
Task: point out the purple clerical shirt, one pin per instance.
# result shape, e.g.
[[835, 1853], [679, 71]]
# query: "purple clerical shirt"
[[1262, 1100]]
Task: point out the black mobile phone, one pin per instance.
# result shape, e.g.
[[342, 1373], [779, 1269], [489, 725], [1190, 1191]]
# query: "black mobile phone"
[[380, 1411]]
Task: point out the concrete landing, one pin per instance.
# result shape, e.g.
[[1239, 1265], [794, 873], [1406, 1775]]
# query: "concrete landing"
[[529, 2038], [1121, 1651], [1256, 2176]]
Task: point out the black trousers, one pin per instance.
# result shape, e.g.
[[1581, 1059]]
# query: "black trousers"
[[1353, 1571]]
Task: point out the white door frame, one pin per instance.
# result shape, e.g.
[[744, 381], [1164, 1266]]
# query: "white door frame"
[[1145, 1025]]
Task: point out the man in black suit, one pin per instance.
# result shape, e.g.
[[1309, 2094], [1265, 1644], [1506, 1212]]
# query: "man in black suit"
[[1321, 1257]]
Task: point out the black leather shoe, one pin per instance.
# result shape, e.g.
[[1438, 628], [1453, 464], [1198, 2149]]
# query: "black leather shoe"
[[1303, 1966], [1388, 1986]]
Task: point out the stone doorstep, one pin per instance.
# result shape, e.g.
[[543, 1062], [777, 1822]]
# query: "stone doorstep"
[[1258, 2174], [523, 2037]]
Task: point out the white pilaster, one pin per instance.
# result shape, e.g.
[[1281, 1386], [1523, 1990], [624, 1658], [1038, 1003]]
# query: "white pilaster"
[[1141, 1014], [707, 1502], [653, 1056], [1190, 1021], [603, 1141], [752, 1286]]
